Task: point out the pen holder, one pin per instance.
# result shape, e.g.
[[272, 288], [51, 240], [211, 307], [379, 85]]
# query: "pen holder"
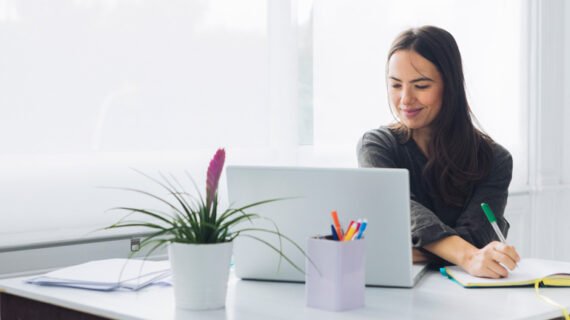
[[336, 280]]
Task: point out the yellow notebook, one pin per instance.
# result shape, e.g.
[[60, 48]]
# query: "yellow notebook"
[[528, 272]]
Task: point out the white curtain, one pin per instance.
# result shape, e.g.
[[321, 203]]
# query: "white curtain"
[[89, 89]]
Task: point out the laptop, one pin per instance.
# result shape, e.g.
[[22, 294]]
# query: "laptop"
[[378, 194]]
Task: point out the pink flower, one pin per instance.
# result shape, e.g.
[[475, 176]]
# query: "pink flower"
[[214, 172]]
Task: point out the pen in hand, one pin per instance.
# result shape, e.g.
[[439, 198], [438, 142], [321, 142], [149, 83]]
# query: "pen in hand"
[[493, 221], [491, 217]]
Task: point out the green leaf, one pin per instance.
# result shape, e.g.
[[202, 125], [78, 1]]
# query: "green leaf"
[[276, 250], [233, 211], [283, 236], [146, 212], [136, 224], [203, 204], [172, 189], [235, 221], [150, 195]]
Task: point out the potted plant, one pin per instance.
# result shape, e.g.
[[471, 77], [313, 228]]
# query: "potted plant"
[[199, 238]]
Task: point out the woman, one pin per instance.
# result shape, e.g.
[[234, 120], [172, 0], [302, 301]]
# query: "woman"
[[453, 166]]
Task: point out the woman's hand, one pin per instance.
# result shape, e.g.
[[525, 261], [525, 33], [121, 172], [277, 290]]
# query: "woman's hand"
[[491, 260], [484, 262]]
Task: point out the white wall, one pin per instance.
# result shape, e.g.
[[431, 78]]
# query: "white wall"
[[551, 213], [566, 162], [540, 217]]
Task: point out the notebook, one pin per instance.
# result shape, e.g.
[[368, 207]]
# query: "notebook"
[[528, 272], [380, 195]]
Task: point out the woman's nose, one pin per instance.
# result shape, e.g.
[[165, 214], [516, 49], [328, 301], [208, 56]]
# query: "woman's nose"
[[407, 96]]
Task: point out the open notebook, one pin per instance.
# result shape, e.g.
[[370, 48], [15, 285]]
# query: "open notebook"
[[528, 272]]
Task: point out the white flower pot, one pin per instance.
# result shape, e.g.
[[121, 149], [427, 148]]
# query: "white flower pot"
[[200, 274]]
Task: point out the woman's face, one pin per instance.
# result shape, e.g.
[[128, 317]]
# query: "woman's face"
[[415, 88]]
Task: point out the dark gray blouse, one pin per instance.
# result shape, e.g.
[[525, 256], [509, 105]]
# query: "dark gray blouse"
[[431, 219]]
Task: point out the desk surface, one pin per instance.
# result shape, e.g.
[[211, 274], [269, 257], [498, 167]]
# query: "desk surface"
[[434, 297]]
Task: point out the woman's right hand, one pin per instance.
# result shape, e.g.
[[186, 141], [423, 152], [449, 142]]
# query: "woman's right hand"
[[491, 260]]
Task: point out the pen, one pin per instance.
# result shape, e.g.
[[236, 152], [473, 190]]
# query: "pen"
[[362, 227], [344, 238], [348, 229], [349, 233], [491, 217], [334, 235], [337, 224], [358, 224], [493, 221]]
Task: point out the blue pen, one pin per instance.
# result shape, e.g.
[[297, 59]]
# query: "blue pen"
[[333, 231], [362, 227]]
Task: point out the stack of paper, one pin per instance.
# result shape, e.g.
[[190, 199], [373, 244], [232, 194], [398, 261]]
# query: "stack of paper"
[[108, 275]]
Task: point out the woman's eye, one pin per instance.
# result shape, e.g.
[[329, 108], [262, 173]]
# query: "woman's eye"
[[422, 87], [396, 85]]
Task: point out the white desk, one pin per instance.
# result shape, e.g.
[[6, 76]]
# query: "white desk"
[[434, 297]]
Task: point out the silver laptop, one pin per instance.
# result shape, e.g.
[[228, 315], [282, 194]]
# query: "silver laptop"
[[379, 195]]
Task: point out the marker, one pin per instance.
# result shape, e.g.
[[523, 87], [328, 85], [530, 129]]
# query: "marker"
[[348, 228], [491, 217], [358, 224], [362, 228], [337, 224], [493, 221], [350, 233], [334, 235], [350, 225]]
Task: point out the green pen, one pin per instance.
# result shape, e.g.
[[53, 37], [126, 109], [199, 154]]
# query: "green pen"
[[493, 221]]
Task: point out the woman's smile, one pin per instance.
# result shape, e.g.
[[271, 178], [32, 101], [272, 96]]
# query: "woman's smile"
[[411, 112]]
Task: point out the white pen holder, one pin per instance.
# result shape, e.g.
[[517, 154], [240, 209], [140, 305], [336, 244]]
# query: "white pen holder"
[[335, 280]]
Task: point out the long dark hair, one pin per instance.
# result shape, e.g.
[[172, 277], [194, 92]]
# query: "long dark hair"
[[459, 155]]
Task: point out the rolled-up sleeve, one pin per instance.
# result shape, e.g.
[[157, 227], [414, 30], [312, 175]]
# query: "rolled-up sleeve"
[[378, 149], [426, 226]]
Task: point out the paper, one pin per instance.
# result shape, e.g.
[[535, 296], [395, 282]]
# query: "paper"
[[108, 275]]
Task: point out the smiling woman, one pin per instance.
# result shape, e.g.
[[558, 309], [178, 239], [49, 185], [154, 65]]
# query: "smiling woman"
[[453, 166], [349, 67], [415, 91]]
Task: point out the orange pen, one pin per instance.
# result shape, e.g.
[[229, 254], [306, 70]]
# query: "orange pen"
[[337, 224]]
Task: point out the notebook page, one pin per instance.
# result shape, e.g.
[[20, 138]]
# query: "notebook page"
[[528, 269]]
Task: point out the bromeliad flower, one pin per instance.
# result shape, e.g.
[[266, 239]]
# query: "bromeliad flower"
[[214, 172]]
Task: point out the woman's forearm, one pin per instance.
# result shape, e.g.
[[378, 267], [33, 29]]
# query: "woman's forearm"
[[453, 249]]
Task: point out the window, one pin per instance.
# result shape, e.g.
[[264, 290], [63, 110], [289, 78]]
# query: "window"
[[91, 88], [350, 44]]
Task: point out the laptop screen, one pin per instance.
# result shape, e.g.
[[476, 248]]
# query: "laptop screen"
[[379, 195]]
